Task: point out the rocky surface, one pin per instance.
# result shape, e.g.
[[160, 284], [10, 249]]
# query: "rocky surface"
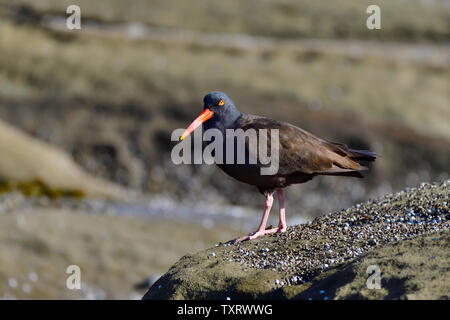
[[404, 234]]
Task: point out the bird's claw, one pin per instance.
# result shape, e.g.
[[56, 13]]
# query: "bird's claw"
[[260, 233]]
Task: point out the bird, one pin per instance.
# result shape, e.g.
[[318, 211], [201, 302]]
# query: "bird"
[[301, 155]]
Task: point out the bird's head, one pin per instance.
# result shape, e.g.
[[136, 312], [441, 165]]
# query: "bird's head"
[[217, 108]]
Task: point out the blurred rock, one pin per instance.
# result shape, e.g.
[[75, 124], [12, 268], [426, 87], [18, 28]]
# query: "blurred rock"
[[25, 159]]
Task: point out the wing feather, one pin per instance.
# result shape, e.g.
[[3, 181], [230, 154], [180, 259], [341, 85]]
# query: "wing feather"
[[303, 152]]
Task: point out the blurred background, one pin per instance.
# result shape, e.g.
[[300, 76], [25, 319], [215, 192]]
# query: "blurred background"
[[86, 117]]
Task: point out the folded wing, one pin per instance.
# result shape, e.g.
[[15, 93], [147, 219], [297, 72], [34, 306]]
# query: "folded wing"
[[302, 152]]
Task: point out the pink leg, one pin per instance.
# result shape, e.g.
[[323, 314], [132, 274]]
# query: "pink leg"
[[282, 226], [262, 226]]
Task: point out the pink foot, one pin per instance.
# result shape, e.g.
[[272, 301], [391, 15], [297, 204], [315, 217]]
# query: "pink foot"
[[260, 233]]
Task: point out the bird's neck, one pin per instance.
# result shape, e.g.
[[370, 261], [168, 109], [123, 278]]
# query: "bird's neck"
[[224, 123], [230, 122]]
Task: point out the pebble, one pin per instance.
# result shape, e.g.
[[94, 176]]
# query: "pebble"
[[26, 288], [12, 283], [33, 276]]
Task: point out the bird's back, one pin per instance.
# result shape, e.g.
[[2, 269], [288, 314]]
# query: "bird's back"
[[301, 155]]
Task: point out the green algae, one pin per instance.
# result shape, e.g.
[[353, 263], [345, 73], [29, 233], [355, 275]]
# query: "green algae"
[[37, 188]]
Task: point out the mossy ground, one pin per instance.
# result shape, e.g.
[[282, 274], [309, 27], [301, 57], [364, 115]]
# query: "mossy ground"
[[411, 269]]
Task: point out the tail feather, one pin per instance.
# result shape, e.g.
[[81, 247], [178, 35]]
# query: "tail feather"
[[343, 172], [363, 155], [347, 162]]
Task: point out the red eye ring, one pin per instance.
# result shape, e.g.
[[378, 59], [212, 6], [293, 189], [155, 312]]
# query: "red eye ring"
[[221, 102]]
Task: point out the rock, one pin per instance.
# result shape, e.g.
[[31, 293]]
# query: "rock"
[[413, 258], [27, 160]]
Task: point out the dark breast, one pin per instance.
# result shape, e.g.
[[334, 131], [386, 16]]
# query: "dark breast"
[[250, 173]]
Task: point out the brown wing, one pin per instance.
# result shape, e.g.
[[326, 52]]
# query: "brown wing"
[[301, 151]]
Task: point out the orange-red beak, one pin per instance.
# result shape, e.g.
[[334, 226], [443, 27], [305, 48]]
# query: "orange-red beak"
[[205, 115]]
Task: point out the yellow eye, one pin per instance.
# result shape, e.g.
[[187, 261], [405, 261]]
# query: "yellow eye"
[[221, 102]]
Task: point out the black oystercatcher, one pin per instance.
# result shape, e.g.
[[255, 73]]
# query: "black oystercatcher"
[[302, 155]]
